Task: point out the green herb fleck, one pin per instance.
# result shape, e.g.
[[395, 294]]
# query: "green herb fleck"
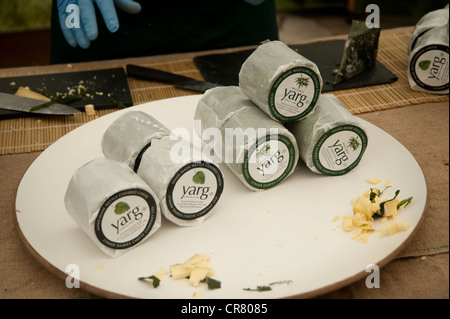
[[268, 287], [213, 283], [121, 208], [259, 288], [380, 212], [119, 104], [199, 178], [404, 202], [155, 281]]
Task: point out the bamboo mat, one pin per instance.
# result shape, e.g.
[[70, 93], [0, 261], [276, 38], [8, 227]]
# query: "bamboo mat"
[[37, 133]]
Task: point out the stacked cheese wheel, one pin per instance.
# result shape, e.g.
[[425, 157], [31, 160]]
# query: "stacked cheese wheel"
[[187, 189], [261, 152], [118, 200], [280, 90]]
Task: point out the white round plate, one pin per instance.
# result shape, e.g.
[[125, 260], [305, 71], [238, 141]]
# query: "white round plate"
[[285, 234]]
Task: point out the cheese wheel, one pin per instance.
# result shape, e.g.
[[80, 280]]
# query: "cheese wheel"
[[113, 205], [431, 20], [127, 137], [188, 190], [260, 151], [331, 141], [428, 63], [281, 82]]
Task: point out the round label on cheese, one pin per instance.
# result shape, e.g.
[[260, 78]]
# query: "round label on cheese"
[[429, 68], [126, 218], [268, 161], [339, 150], [294, 94], [194, 190]]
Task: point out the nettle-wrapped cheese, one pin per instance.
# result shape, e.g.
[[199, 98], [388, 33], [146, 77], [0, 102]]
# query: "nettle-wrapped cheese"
[[281, 82], [260, 151], [127, 138], [113, 206], [331, 141], [428, 62], [431, 20], [188, 189]]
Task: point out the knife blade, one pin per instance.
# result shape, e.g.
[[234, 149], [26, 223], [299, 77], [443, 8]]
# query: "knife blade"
[[24, 104], [150, 74]]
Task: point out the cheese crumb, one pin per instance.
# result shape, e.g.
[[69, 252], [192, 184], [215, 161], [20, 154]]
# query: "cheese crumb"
[[374, 181], [197, 294], [160, 273], [89, 109]]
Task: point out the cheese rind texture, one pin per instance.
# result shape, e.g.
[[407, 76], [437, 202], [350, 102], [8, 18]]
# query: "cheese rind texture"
[[127, 136], [282, 83], [331, 141], [431, 20], [188, 189], [260, 151], [114, 207]]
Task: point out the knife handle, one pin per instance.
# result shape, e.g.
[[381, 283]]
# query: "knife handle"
[[145, 73]]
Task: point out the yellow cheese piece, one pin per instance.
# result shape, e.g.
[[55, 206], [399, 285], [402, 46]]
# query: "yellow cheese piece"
[[347, 223], [196, 268], [25, 92], [89, 109], [390, 208], [365, 206], [403, 226], [374, 181], [160, 273], [196, 259], [198, 274], [180, 271]]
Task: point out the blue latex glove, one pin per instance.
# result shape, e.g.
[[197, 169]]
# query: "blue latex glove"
[[87, 30]]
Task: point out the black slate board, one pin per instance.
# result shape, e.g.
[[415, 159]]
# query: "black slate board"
[[327, 55], [106, 87]]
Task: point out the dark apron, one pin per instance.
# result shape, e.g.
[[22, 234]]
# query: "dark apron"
[[173, 26]]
